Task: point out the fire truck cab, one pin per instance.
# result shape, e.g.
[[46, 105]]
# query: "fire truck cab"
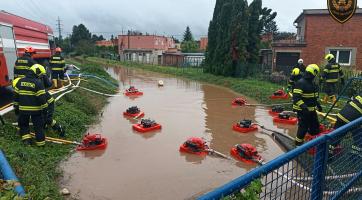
[[16, 33]]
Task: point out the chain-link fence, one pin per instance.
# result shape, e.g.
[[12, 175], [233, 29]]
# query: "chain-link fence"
[[328, 167]]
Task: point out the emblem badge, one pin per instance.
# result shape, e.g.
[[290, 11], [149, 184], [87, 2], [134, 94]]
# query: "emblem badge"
[[342, 10]]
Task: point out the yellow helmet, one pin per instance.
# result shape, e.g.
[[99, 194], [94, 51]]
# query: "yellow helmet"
[[15, 81], [295, 72], [38, 69], [313, 69], [329, 57]]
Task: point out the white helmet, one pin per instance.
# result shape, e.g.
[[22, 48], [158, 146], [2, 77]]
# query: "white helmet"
[[300, 61]]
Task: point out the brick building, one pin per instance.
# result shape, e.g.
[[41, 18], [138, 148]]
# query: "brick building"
[[318, 34], [144, 48], [203, 43]]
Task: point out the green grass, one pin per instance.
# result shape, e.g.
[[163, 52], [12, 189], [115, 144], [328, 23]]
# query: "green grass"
[[37, 168], [255, 88]]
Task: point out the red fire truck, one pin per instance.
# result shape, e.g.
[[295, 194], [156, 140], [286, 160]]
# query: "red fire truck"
[[16, 33]]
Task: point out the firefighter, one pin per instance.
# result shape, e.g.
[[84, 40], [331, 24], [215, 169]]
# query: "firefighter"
[[332, 73], [352, 111], [305, 103], [49, 121], [57, 65], [294, 77], [30, 102], [301, 66], [24, 62]]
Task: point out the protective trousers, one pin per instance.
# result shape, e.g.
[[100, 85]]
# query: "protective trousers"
[[50, 122], [307, 123], [38, 123]]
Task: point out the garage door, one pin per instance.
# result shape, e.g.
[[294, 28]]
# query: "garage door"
[[285, 61]]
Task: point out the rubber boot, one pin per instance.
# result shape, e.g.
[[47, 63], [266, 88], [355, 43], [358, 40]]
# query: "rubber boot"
[[334, 99], [55, 83], [60, 83], [325, 99]]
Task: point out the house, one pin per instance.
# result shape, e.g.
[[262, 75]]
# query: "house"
[[203, 43], [179, 59], [319, 34], [143, 48]]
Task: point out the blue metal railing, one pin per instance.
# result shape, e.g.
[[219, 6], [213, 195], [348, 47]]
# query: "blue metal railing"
[[315, 170]]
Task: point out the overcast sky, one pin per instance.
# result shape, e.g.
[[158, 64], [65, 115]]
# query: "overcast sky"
[[168, 17]]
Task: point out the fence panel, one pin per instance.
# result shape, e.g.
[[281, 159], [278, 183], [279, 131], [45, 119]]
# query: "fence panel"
[[328, 167]]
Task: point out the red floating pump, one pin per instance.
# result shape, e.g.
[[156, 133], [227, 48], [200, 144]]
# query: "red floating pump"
[[323, 130], [238, 102], [279, 94], [285, 118], [246, 153], [245, 126], [132, 91], [276, 110], [146, 125], [194, 145], [92, 142], [133, 111]]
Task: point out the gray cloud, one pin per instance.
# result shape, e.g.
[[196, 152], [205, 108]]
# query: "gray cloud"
[[169, 17]]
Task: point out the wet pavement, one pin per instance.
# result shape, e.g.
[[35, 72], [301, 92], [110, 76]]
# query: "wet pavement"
[[149, 166]]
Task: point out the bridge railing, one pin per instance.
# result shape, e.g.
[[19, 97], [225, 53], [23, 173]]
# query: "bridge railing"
[[328, 167]]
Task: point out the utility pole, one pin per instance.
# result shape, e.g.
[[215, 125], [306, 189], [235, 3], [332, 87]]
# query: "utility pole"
[[59, 26]]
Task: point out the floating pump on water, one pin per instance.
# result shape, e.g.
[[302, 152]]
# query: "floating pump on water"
[[238, 102], [285, 118], [246, 153], [92, 142], [245, 126], [146, 125], [194, 145], [132, 91], [133, 111], [279, 94], [276, 110]]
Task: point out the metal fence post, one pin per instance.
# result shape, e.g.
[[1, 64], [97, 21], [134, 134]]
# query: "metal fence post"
[[319, 168]]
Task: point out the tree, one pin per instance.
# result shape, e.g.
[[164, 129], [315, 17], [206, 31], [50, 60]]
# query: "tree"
[[271, 27], [255, 27], [188, 35], [79, 33], [189, 47]]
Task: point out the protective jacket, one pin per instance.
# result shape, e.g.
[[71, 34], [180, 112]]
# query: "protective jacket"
[[352, 110], [29, 95], [332, 73], [57, 63], [22, 65], [305, 95]]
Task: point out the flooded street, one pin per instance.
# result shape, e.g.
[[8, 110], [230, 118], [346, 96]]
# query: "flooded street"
[[150, 166]]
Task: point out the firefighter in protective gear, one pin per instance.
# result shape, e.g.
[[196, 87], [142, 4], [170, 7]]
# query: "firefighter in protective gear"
[[57, 65], [49, 121], [294, 77], [30, 102], [305, 103], [350, 112], [332, 73], [24, 62]]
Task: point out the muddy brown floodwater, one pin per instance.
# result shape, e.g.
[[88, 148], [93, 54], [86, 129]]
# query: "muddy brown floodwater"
[[149, 166]]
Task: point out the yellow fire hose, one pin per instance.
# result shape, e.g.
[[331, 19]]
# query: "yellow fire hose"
[[57, 140]]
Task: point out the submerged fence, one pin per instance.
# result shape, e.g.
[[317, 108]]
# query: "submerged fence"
[[328, 167]]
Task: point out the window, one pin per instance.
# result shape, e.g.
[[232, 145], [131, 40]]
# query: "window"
[[343, 57]]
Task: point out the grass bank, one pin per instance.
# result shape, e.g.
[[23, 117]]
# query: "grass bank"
[[257, 89], [37, 168]]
